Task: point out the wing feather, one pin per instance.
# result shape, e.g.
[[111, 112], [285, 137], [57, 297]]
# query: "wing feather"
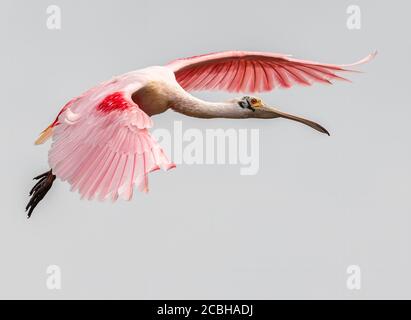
[[241, 76], [227, 73], [243, 71], [102, 146]]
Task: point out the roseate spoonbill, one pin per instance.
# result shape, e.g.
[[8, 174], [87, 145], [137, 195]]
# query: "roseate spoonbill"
[[101, 143]]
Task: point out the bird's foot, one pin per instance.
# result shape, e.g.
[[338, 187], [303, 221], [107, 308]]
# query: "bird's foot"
[[39, 190]]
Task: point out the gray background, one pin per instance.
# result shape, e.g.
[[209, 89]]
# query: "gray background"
[[317, 205]]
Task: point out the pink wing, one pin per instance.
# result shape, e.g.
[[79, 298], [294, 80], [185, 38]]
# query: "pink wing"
[[102, 147], [242, 71]]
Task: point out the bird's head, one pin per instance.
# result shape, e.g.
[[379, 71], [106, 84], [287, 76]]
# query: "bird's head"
[[255, 108], [251, 103]]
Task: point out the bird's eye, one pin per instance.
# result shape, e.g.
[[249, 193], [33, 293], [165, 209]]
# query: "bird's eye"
[[253, 100]]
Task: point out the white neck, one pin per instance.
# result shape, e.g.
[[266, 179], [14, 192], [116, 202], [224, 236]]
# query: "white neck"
[[189, 105]]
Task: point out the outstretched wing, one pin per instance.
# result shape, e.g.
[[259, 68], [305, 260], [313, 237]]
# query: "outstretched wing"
[[242, 71], [102, 147]]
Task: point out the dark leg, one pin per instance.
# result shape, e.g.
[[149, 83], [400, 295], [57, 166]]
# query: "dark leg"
[[39, 190]]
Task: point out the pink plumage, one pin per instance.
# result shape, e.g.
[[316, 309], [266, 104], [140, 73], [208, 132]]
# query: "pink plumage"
[[101, 145], [101, 140], [241, 71]]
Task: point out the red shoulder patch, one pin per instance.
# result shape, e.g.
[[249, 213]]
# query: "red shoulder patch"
[[113, 102]]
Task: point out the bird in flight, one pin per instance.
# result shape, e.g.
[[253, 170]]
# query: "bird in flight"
[[101, 140]]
